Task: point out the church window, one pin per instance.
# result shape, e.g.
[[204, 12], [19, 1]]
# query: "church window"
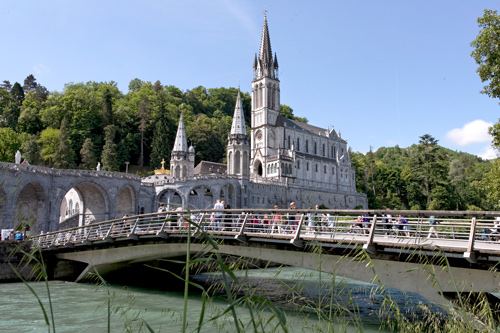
[[289, 142], [334, 153], [307, 166], [333, 171], [323, 149], [315, 148], [331, 152], [298, 164], [298, 145], [307, 146], [316, 167], [324, 169]]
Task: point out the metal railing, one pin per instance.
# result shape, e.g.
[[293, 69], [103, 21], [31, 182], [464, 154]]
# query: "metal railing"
[[466, 232]]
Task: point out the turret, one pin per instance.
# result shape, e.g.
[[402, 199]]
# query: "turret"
[[182, 158]]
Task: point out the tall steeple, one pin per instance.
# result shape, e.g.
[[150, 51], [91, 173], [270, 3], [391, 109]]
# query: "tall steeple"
[[265, 66], [238, 126], [180, 144], [181, 158]]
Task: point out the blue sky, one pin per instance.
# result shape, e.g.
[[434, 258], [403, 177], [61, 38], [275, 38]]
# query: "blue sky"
[[381, 72]]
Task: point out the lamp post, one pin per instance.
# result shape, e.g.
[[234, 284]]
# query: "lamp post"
[[126, 166]]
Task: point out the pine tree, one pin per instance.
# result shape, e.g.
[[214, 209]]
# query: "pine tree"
[[31, 151], [160, 147], [87, 153], [109, 156], [144, 113], [107, 108], [64, 157]]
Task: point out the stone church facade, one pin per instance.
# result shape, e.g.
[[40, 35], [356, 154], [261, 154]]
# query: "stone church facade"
[[282, 161]]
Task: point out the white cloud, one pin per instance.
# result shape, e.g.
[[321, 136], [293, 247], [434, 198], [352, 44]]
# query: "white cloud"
[[488, 153], [39, 69], [474, 132]]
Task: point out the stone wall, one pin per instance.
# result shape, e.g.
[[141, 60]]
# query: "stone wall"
[[10, 254]]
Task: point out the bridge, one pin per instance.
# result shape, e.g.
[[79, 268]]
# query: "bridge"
[[35, 194], [403, 252]]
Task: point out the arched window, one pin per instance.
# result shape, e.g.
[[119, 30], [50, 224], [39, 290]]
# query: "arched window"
[[298, 145], [307, 146], [307, 166], [289, 142], [324, 167], [315, 148], [316, 167], [298, 164], [323, 149]]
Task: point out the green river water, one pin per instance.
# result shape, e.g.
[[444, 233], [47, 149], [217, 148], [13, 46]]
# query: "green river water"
[[82, 307]]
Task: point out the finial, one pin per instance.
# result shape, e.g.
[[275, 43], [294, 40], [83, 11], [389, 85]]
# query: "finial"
[[265, 10], [238, 83]]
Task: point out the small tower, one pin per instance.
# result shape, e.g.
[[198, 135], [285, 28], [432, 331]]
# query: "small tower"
[[182, 158], [238, 143]]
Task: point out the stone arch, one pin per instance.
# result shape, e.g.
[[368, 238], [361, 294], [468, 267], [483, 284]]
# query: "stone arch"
[[3, 208], [184, 171], [177, 171], [31, 207], [126, 201], [257, 168], [171, 198], [237, 163], [68, 217], [201, 197], [244, 166], [95, 206], [230, 168]]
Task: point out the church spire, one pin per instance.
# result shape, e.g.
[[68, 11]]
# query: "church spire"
[[180, 144], [266, 66], [238, 126]]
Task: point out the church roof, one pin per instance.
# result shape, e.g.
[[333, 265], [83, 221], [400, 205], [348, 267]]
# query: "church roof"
[[206, 167], [180, 139], [303, 126], [238, 126]]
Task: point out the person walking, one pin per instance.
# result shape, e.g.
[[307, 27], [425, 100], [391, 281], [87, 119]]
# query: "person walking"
[[219, 207], [432, 226]]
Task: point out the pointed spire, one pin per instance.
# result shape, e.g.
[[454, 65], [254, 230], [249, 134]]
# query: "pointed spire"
[[275, 61], [265, 66], [238, 126], [255, 62], [180, 139]]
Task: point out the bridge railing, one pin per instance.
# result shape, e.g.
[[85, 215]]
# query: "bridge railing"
[[462, 231]]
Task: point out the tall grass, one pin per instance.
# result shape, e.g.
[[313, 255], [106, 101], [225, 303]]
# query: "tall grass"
[[469, 313]]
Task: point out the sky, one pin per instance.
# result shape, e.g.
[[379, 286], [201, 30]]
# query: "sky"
[[383, 73]]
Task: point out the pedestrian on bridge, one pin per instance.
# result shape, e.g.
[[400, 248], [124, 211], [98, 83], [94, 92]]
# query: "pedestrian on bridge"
[[432, 226]]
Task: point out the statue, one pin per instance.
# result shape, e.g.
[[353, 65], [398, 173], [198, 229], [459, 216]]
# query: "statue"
[[98, 166], [18, 157]]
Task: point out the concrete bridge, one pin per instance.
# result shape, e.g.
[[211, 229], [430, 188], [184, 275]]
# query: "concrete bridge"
[[34, 195], [406, 256]]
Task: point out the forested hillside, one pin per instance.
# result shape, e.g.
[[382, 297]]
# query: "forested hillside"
[[423, 176], [94, 121]]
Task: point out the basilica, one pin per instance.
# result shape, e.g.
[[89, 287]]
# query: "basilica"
[[280, 162]]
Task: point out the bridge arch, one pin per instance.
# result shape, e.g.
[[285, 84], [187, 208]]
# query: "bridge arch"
[[31, 206], [126, 201], [95, 205], [201, 197], [171, 198], [3, 208]]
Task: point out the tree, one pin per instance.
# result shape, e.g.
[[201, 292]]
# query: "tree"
[[135, 85], [87, 153], [49, 141], [10, 142], [6, 85], [487, 52], [144, 113], [161, 144], [429, 166], [31, 151], [107, 108], [64, 156], [109, 156], [29, 120]]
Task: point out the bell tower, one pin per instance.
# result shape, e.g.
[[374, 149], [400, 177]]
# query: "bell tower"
[[265, 105], [238, 148]]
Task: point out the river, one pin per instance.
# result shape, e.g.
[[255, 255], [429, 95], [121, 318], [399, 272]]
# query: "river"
[[81, 307]]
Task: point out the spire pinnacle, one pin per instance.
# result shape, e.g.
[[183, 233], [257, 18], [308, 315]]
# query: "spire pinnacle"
[[265, 66], [180, 144], [238, 126]]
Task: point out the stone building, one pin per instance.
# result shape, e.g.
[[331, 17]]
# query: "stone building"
[[281, 161]]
